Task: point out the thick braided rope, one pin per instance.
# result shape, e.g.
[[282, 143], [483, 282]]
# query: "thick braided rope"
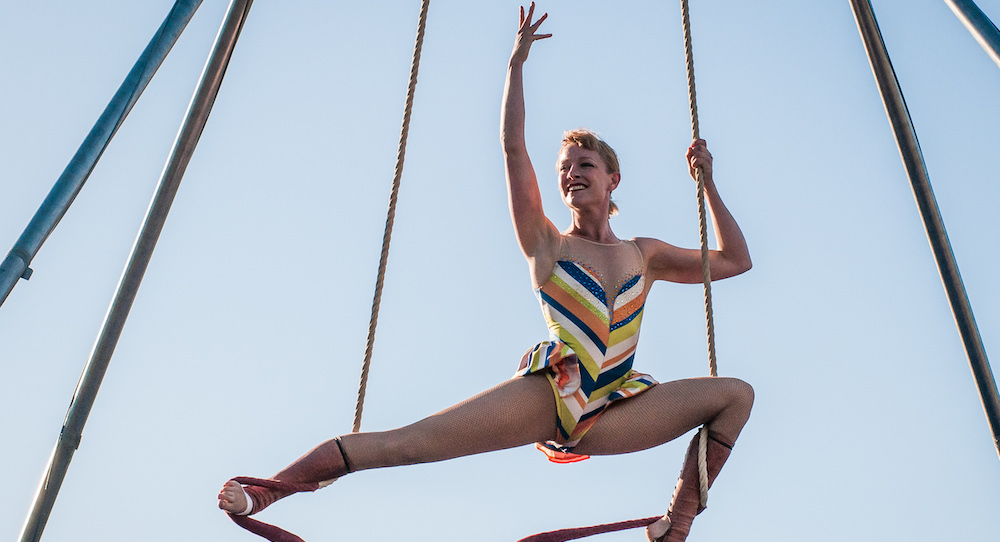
[[398, 174], [706, 272]]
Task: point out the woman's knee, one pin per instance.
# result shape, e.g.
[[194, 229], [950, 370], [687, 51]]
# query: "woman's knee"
[[739, 392]]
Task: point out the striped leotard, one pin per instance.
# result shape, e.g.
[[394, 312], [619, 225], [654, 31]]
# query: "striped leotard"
[[593, 314]]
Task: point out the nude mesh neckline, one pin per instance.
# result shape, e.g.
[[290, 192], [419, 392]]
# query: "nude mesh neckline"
[[616, 243]]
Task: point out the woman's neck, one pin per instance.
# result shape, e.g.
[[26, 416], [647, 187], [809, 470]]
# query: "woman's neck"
[[591, 229]]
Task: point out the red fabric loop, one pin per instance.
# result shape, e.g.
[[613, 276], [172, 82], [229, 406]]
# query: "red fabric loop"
[[270, 532], [572, 534], [270, 483]]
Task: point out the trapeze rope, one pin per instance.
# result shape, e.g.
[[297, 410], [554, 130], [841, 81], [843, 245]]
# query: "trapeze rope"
[[706, 271], [390, 218], [276, 534]]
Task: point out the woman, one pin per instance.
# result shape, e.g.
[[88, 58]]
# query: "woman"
[[575, 395]]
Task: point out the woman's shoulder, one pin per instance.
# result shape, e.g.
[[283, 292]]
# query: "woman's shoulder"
[[656, 254], [647, 245]]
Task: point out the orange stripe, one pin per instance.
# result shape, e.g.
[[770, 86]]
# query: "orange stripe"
[[598, 326], [617, 359], [623, 312]]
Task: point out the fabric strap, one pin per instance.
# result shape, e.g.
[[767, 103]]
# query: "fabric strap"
[[580, 532], [270, 532]]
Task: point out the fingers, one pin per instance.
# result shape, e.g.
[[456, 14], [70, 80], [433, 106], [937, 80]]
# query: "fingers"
[[230, 496], [699, 157], [529, 27], [699, 151], [526, 33], [531, 11], [698, 145]]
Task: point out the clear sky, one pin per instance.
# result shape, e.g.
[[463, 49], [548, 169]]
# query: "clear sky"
[[244, 346]]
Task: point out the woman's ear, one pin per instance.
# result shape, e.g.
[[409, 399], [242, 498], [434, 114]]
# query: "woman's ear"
[[615, 179]]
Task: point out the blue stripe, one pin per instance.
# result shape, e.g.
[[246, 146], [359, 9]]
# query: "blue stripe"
[[614, 373], [632, 282], [574, 270], [590, 414], [562, 432], [589, 384], [630, 317], [573, 318]]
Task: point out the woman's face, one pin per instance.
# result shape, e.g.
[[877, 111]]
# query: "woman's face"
[[583, 178]]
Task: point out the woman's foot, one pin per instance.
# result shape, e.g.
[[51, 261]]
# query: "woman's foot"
[[233, 499], [658, 529], [317, 468]]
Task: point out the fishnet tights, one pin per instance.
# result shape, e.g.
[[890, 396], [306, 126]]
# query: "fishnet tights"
[[522, 411], [667, 411], [517, 412]]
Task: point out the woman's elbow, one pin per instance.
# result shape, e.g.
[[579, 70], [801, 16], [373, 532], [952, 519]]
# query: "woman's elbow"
[[730, 267], [745, 264], [742, 265]]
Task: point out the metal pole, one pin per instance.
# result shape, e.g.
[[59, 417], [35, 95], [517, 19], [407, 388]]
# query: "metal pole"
[[909, 149], [69, 184], [981, 27], [128, 285]]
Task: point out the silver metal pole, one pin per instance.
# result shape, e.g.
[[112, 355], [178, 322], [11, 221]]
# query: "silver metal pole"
[[909, 149], [128, 285], [981, 27], [69, 184]]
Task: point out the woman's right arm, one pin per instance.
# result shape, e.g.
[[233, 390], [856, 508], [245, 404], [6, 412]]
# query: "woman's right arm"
[[535, 233]]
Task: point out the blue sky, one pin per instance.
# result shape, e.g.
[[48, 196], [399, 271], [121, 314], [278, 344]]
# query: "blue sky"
[[244, 346]]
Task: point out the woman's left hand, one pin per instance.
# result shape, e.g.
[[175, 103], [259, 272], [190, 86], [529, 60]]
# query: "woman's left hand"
[[527, 34], [699, 157]]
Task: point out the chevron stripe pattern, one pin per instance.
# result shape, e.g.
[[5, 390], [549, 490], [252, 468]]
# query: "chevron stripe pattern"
[[593, 335]]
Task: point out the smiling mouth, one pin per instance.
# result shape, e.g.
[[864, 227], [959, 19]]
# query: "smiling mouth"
[[575, 187]]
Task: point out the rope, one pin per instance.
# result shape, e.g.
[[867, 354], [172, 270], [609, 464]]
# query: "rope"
[[706, 272], [390, 218]]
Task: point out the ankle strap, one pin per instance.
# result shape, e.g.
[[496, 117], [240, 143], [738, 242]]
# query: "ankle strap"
[[270, 532], [343, 455], [720, 439]]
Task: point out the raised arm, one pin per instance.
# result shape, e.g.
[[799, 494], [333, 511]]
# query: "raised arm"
[[668, 262], [535, 234]]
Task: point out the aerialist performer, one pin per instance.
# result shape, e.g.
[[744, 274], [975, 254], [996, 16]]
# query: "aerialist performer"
[[576, 394]]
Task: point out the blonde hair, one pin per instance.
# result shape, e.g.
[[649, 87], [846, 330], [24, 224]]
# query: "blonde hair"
[[590, 141]]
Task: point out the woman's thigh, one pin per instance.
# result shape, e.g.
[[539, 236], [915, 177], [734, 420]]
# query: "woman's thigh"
[[658, 415], [516, 412]]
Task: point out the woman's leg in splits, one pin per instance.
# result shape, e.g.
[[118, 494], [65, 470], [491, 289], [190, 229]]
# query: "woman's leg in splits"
[[517, 412], [665, 412]]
